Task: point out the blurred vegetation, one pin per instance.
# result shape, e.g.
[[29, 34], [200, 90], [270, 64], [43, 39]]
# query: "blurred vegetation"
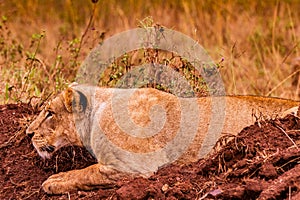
[[254, 43]]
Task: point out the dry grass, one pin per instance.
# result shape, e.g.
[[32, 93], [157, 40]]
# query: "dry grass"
[[41, 44]]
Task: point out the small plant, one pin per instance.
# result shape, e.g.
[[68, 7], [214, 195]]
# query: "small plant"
[[26, 74]]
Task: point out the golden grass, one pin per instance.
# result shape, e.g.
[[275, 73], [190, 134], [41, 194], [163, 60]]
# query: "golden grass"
[[41, 44]]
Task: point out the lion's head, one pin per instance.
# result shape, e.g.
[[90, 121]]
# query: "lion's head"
[[54, 127]]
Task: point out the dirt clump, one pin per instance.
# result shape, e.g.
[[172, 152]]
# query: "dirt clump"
[[262, 162]]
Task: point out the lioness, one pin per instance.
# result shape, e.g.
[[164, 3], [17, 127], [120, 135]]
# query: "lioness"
[[135, 131]]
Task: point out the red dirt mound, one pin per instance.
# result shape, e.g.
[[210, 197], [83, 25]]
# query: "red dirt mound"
[[262, 162]]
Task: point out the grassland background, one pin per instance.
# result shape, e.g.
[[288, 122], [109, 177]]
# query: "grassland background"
[[41, 43]]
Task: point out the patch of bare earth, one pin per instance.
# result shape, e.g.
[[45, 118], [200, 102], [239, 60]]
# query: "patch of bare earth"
[[262, 162]]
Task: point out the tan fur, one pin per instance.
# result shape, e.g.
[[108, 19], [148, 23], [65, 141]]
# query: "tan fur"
[[127, 130]]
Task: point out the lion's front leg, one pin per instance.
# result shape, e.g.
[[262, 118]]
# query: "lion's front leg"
[[92, 177]]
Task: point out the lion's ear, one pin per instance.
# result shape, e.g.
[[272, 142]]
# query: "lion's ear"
[[74, 100], [68, 96]]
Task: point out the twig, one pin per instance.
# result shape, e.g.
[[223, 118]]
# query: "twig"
[[277, 126], [11, 139], [279, 84], [31, 194], [87, 27], [290, 52], [293, 160]]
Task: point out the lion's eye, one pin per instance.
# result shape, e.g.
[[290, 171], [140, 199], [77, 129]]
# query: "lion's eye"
[[49, 114]]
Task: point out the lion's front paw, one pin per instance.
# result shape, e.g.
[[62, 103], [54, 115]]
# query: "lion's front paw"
[[89, 178], [58, 184]]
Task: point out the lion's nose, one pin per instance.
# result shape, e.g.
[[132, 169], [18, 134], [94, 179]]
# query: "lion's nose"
[[30, 133]]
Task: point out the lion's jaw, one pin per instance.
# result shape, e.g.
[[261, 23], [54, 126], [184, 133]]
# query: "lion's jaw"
[[53, 128]]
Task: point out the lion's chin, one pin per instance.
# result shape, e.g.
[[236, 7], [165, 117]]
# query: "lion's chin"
[[45, 151], [44, 154]]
